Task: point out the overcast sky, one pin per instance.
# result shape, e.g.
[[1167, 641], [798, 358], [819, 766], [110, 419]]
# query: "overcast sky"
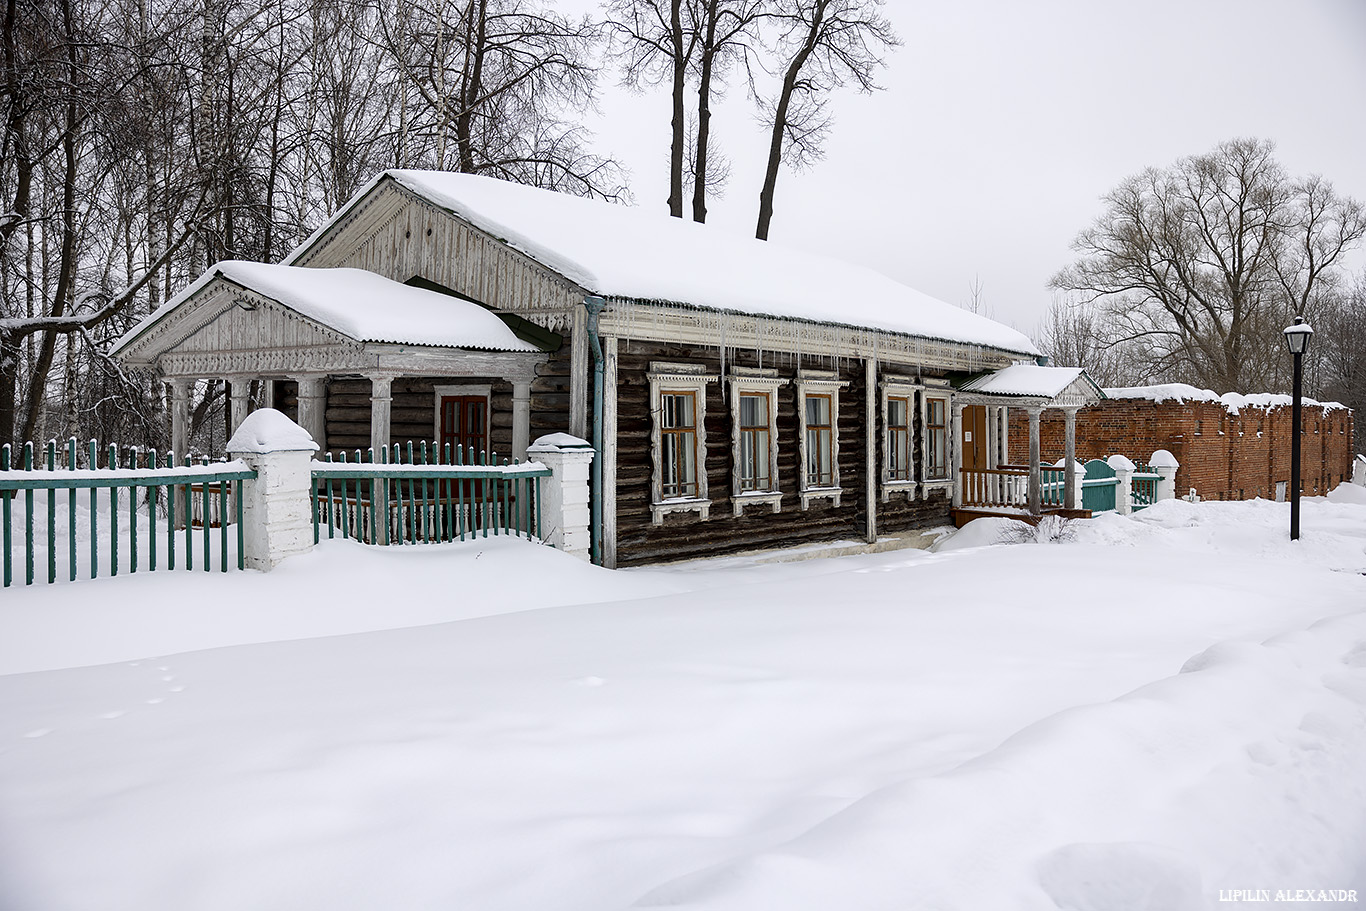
[[1002, 123]]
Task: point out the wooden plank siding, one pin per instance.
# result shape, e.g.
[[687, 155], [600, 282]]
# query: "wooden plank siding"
[[399, 235]]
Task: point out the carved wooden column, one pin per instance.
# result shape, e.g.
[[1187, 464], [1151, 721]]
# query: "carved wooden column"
[[521, 417], [312, 405], [956, 448], [180, 416], [381, 410], [239, 388], [870, 438], [993, 413], [1035, 475], [1070, 458]]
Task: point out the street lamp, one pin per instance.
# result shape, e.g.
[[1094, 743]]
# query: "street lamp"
[[1297, 339]]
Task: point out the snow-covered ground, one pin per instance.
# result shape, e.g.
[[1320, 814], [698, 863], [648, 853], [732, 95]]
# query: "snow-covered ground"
[[1115, 714]]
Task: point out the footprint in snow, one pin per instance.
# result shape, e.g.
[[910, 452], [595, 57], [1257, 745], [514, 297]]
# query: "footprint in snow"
[[118, 714], [38, 732]]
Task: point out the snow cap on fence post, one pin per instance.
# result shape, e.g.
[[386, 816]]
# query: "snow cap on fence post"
[[1165, 464], [276, 520], [564, 497], [1124, 483]]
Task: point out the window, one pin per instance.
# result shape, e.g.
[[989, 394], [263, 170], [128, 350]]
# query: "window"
[[754, 444], [678, 443], [754, 438], [678, 440], [898, 438], [818, 439], [936, 438], [820, 442]]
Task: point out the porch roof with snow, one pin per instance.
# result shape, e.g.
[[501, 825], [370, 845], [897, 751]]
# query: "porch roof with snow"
[[1049, 387], [243, 317], [625, 253]]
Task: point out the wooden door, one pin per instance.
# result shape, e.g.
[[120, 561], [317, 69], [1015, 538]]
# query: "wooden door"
[[974, 440], [464, 423]]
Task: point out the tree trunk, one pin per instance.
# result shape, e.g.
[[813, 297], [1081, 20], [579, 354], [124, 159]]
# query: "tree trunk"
[[699, 185], [680, 72], [775, 145]]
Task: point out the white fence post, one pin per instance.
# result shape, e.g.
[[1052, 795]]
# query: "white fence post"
[[1359, 470], [1078, 475], [564, 497], [1124, 483], [1165, 464], [276, 519]]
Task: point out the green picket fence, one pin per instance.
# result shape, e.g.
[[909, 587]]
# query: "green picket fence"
[[437, 494], [1053, 487], [1098, 487], [187, 501], [1144, 487]]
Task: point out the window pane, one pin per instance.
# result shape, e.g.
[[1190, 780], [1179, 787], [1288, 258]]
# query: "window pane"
[[896, 412], [818, 409], [753, 411]]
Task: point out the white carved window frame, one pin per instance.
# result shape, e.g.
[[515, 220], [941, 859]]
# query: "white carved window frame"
[[945, 395], [893, 387], [671, 377], [745, 381], [814, 382]]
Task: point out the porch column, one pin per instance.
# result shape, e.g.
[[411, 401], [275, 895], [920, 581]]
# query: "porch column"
[[1035, 476], [1003, 438], [993, 412], [312, 401], [381, 411], [268, 394], [609, 452], [956, 447], [521, 418], [180, 416], [240, 399], [1070, 458]]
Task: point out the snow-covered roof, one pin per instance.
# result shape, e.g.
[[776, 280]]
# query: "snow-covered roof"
[[1027, 380], [361, 305], [625, 252], [1233, 401]]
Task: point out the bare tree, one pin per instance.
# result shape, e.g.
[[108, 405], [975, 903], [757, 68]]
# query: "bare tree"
[[500, 81], [656, 40], [825, 44], [1205, 261], [727, 30]]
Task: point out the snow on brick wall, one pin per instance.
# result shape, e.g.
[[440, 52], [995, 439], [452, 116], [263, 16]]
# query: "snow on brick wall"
[[1223, 455]]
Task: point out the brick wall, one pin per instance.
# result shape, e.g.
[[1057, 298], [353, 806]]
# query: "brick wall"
[[1223, 456]]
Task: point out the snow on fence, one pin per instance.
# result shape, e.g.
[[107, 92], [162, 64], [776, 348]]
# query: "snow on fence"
[[435, 495], [159, 498]]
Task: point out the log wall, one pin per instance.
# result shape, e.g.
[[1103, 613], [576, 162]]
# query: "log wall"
[[685, 535], [413, 411]]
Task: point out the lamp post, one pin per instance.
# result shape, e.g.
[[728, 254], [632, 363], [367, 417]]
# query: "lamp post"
[[1297, 338]]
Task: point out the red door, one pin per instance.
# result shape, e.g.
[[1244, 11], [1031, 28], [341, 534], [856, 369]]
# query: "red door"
[[464, 423]]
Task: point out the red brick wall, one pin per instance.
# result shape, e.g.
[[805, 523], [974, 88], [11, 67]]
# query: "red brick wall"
[[1223, 456]]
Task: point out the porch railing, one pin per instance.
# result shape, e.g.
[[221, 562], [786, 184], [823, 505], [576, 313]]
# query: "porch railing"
[[437, 494], [1007, 487], [159, 492]]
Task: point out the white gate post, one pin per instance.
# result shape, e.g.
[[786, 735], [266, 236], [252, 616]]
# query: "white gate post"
[[564, 497], [1165, 464], [1124, 483], [276, 520]]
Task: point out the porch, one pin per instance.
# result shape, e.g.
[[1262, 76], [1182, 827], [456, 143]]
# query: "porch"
[[987, 484]]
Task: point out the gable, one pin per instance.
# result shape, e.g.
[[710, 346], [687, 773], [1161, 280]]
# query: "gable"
[[395, 233], [226, 329]]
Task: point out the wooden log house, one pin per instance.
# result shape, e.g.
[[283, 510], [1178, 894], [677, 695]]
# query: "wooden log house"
[[750, 397]]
